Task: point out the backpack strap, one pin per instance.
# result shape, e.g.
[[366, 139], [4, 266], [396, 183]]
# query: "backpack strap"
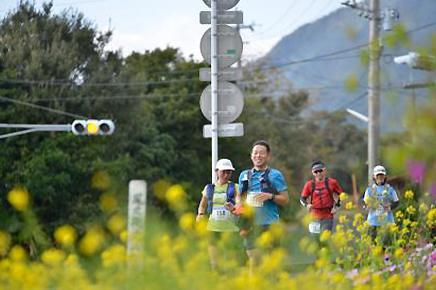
[[327, 186], [231, 193], [270, 186], [210, 190]]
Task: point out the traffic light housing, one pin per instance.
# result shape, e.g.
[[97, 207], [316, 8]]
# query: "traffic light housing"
[[92, 127]]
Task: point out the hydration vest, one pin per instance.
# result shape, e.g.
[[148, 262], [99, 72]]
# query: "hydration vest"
[[265, 183], [322, 198], [210, 190]]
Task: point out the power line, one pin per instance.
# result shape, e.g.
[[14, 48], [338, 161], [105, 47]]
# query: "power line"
[[41, 107], [280, 18], [322, 57]]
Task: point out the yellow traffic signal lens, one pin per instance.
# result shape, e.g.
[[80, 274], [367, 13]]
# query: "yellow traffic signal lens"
[[92, 128]]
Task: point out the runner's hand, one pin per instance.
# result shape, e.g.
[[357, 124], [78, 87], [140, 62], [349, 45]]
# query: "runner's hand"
[[229, 206], [262, 196]]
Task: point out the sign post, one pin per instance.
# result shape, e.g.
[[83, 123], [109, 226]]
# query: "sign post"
[[221, 47], [136, 217]]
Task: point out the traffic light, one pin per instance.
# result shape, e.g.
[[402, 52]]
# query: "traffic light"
[[92, 127]]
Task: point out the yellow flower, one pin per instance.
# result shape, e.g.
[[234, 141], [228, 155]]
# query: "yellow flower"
[[72, 259], [187, 221], [124, 235], [65, 235], [115, 255], [304, 243], [201, 227], [411, 209], [53, 256], [399, 214], [19, 198], [406, 222], [160, 188], [405, 231], [325, 235], [277, 230], [401, 242], [92, 242], [408, 279], [176, 197], [349, 205], [339, 239], [100, 180], [399, 253], [108, 203], [337, 278], [393, 228], [408, 194], [343, 219], [431, 215], [265, 239], [116, 224], [18, 253], [343, 196], [377, 251], [321, 263], [5, 242], [423, 207]]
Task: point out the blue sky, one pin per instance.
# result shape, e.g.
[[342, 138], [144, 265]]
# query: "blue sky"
[[140, 25]]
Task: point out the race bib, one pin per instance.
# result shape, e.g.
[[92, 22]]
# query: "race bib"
[[251, 201], [379, 212], [220, 214], [315, 227]]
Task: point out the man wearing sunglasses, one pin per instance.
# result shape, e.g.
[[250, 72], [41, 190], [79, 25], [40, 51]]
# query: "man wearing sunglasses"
[[321, 196]]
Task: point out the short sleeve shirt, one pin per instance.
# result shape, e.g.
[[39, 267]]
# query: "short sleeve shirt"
[[268, 212], [379, 195], [221, 220], [307, 192]]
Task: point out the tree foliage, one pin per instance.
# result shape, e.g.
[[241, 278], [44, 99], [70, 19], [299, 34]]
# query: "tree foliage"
[[60, 62]]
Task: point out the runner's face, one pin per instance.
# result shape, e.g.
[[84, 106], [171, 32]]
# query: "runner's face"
[[380, 178], [319, 174], [224, 175], [259, 156]]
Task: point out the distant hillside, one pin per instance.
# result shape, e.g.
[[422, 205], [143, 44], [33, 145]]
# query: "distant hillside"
[[343, 29]]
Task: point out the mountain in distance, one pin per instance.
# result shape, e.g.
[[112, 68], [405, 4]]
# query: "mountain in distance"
[[343, 34]]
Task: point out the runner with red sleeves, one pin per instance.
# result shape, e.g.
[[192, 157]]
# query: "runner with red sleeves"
[[321, 196]]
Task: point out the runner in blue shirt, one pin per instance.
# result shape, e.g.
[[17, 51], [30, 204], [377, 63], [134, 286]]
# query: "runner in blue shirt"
[[264, 189], [380, 199]]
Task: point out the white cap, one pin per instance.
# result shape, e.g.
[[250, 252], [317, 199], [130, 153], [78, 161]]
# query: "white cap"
[[379, 170], [224, 164]]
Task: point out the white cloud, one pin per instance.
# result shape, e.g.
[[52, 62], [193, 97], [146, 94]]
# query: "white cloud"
[[182, 31]]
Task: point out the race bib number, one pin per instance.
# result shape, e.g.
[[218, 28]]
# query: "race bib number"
[[220, 214], [380, 211], [315, 227], [251, 201]]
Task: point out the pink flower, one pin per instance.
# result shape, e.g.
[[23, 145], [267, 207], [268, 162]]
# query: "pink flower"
[[416, 171], [433, 190]]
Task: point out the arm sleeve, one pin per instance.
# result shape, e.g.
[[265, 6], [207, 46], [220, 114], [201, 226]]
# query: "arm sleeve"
[[393, 194], [306, 190], [337, 188], [366, 195], [204, 192], [279, 181]]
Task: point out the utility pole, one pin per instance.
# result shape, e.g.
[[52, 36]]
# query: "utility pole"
[[374, 87], [238, 28], [375, 18]]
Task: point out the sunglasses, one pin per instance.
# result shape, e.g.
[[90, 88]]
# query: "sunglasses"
[[318, 171]]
